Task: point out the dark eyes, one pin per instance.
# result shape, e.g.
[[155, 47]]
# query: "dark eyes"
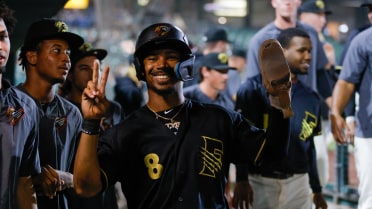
[[59, 51]]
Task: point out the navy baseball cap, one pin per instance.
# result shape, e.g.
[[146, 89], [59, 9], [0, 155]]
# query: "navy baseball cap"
[[216, 34], [47, 28], [217, 61], [239, 53], [366, 3], [314, 6], [86, 50]]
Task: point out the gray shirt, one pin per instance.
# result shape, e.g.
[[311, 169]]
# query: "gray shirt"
[[357, 69], [194, 93]]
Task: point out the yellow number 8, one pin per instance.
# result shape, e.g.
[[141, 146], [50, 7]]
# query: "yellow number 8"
[[154, 168]]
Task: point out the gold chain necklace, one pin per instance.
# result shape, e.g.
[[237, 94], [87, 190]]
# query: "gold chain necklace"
[[165, 118]]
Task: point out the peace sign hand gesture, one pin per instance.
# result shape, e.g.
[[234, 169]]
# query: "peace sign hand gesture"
[[94, 103]]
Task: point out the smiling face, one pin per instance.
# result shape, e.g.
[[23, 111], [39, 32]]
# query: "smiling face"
[[4, 45], [159, 70], [298, 54]]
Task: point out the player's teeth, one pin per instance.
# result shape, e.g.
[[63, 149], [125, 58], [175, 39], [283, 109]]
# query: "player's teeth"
[[162, 76]]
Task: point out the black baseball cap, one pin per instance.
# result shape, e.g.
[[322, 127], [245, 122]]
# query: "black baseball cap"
[[239, 53], [86, 50], [366, 3], [314, 6], [217, 61], [216, 34], [47, 28]]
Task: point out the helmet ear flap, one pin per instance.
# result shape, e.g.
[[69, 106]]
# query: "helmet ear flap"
[[139, 69]]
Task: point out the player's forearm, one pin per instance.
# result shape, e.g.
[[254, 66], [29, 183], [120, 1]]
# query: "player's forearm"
[[341, 95], [87, 181]]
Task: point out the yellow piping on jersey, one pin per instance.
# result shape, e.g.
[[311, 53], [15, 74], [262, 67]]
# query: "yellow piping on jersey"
[[259, 152], [106, 179], [265, 120]]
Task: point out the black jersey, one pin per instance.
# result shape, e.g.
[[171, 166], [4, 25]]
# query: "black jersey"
[[305, 124], [18, 142], [59, 132], [158, 169]]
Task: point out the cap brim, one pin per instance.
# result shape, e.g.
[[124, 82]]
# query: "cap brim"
[[222, 67], [174, 44], [206, 40], [326, 12], [99, 53]]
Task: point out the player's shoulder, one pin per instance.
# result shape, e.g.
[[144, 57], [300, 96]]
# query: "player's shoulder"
[[252, 84], [21, 98], [363, 36], [191, 89], [19, 105], [266, 32], [307, 28]]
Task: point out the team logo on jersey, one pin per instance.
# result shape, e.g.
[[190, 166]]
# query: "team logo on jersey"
[[60, 122], [15, 114], [211, 153], [308, 124], [162, 30]]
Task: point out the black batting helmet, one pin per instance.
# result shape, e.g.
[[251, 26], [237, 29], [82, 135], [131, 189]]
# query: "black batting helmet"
[[161, 36]]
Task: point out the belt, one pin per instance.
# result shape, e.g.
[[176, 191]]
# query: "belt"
[[277, 175]]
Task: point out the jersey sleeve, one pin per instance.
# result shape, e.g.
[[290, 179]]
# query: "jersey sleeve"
[[109, 164]]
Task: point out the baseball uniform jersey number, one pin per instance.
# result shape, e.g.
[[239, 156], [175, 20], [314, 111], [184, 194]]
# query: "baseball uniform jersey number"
[[154, 167]]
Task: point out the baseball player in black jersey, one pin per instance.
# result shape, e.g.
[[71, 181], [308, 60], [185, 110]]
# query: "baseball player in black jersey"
[[284, 183], [19, 159], [173, 152], [45, 58]]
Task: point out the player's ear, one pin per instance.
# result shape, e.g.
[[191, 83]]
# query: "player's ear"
[[31, 57]]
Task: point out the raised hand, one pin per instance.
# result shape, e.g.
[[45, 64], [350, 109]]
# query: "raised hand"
[[94, 103], [276, 75]]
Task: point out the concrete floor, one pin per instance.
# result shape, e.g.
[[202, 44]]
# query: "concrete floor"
[[334, 206]]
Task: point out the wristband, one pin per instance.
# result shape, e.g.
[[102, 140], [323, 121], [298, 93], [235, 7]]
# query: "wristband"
[[350, 119], [91, 127]]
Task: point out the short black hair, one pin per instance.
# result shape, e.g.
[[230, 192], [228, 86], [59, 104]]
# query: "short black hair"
[[287, 35], [7, 14]]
